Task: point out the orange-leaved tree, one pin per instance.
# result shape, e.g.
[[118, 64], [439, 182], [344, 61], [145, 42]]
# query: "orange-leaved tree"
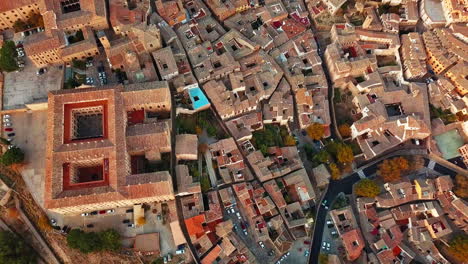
[[345, 130], [391, 170], [315, 131]]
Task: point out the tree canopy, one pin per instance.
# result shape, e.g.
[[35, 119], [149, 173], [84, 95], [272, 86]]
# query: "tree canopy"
[[14, 250], [12, 156], [335, 172], [92, 242], [392, 169], [367, 188], [458, 248], [344, 153], [315, 131], [7, 57], [345, 130], [461, 186]]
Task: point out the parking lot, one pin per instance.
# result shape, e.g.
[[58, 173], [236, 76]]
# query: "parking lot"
[[298, 251], [26, 87], [30, 135], [329, 238], [115, 220], [99, 64]]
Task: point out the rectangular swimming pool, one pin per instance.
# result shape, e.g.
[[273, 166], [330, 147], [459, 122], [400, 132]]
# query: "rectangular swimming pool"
[[448, 143], [198, 98]]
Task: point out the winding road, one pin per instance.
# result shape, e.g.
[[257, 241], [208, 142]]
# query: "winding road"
[[345, 185]]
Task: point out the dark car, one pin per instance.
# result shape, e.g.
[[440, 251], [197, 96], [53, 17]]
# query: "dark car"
[[102, 212], [64, 229], [129, 211], [90, 225], [126, 221], [93, 213], [11, 134]]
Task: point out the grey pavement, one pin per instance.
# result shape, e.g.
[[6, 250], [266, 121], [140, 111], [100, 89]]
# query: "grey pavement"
[[209, 166], [30, 129], [26, 87]]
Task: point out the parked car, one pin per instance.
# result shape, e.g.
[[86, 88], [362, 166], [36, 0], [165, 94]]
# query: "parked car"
[[129, 211], [64, 229], [306, 253], [53, 222], [126, 221], [11, 146], [11, 134], [232, 210], [307, 242], [238, 216], [169, 257], [110, 211], [41, 71], [324, 245], [84, 214], [8, 129], [7, 124], [165, 259], [102, 212], [6, 120], [94, 213], [90, 225], [262, 245], [6, 116], [131, 225]]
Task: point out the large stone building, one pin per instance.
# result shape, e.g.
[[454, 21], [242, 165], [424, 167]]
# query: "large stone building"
[[62, 19], [99, 142], [11, 11]]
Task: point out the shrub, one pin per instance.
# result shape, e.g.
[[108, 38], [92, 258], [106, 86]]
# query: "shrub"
[[345, 130], [458, 248], [12, 156], [7, 57]]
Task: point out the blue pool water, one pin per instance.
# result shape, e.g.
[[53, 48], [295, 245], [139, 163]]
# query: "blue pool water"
[[198, 98]]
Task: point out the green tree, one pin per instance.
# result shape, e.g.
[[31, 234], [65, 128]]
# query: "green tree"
[[14, 250], [79, 64], [110, 240], [71, 83], [12, 156], [205, 183], [3, 141], [211, 130], [84, 242], [7, 57], [367, 188], [458, 248], [322, 156]]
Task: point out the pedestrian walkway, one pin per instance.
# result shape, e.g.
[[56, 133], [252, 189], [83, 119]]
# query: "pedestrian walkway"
[[361, 174], [209, 167]]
